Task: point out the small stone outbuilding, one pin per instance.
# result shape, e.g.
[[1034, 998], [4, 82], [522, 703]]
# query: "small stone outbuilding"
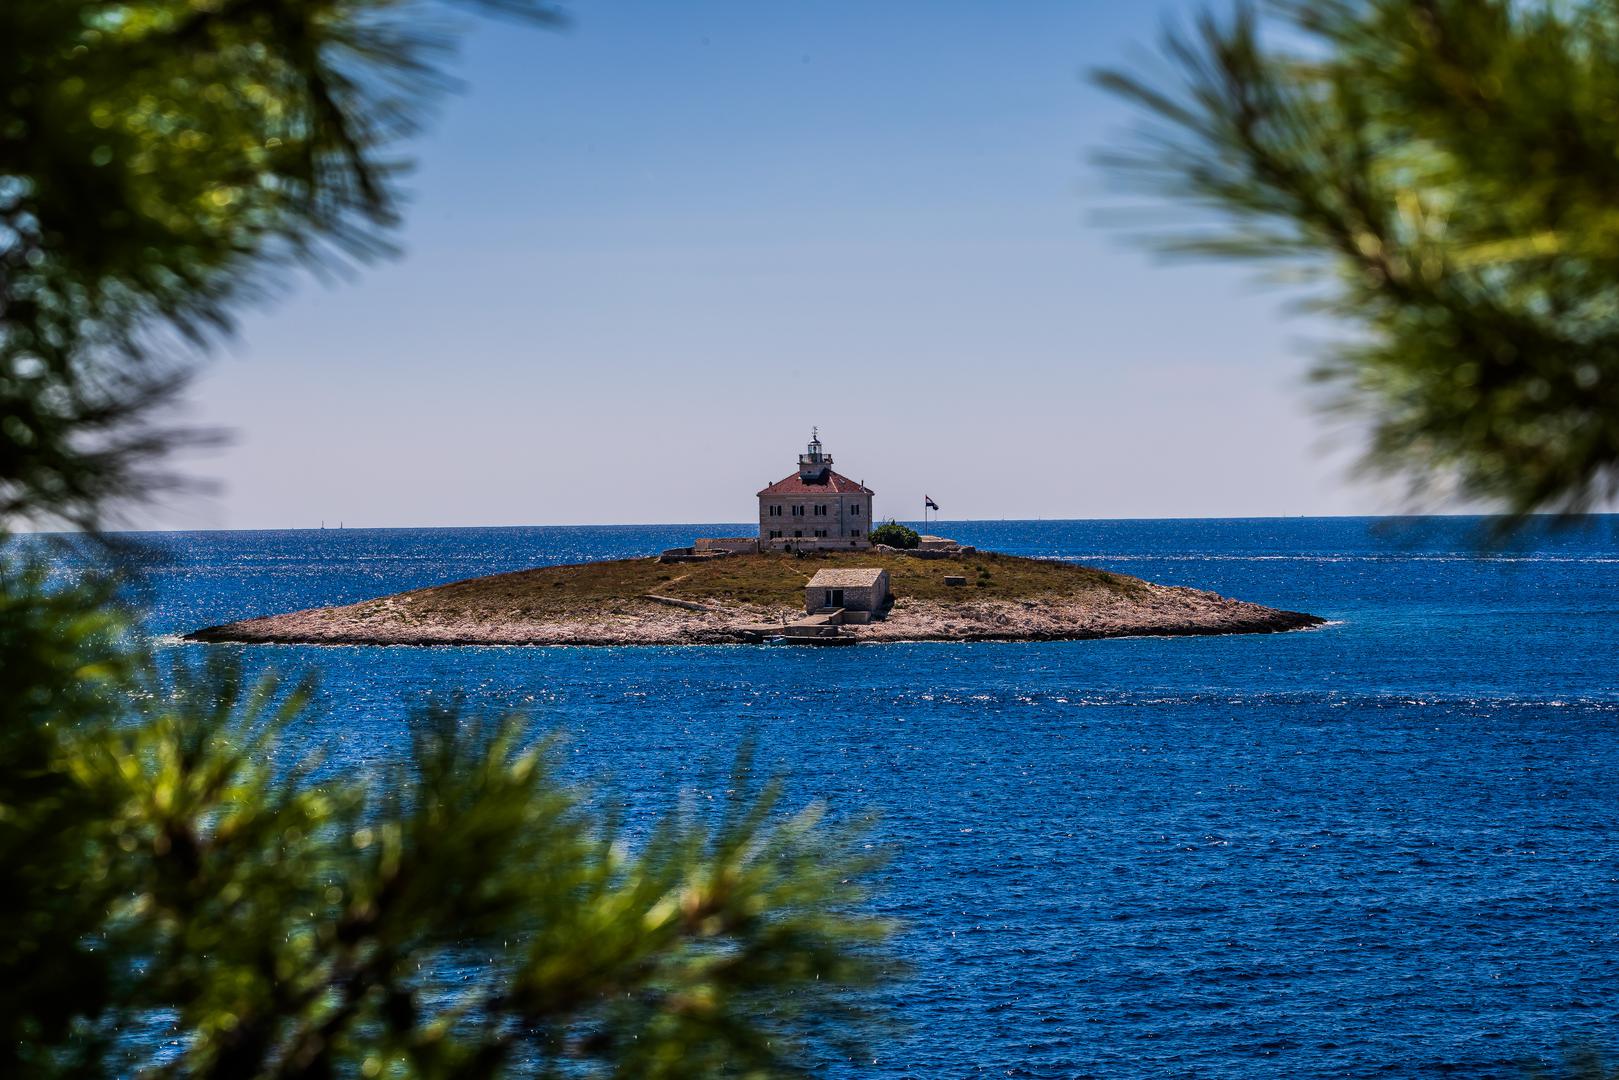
[[855, 590]]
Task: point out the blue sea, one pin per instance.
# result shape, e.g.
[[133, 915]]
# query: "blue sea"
[[1386, 847]]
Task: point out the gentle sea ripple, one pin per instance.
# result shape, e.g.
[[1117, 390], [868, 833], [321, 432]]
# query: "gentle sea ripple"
[[1383, 848]]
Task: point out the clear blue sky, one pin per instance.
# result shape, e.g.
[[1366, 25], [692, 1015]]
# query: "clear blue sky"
[[645, 254]]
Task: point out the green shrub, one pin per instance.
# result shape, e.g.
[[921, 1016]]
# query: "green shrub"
[[896, 535]]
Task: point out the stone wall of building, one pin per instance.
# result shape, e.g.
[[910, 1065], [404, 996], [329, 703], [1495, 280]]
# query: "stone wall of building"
[[845, 517], [729, 545], [954, 551], [814, 543]]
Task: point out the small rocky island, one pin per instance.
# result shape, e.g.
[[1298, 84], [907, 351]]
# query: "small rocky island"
[[812, 575], [758, 596]]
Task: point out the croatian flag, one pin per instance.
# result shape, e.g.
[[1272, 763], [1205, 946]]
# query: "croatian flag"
[[928, 500]]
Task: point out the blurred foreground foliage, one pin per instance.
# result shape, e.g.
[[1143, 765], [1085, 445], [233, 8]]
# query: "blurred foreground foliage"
[[159, 161], [182, 895], [1443, 171]]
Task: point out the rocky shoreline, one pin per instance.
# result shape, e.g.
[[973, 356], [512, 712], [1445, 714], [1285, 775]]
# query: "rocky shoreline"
[[440, 616]]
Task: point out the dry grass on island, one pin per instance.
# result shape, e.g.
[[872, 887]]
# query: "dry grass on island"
[[735, 599]]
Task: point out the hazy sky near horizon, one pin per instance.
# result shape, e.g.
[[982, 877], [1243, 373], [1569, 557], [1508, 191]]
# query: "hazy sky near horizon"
[[645, 254]]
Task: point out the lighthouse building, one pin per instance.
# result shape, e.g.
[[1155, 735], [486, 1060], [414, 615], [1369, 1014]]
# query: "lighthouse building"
[[815, 508]]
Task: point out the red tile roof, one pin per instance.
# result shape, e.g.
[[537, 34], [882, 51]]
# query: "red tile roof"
[[828, 482]]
